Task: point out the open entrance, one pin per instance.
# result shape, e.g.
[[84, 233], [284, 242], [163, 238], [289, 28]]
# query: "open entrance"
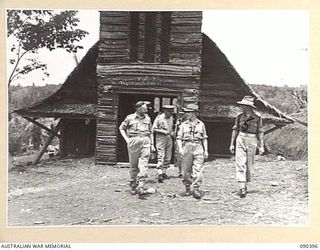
[[127, 106], [78, 137], [219, 135]]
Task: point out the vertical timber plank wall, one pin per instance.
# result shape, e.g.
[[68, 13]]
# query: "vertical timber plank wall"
[[113, 49], [116, 74], [142, 27], [186, 46]]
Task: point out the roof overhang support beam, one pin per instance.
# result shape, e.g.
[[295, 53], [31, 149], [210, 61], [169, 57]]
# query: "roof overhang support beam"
[[50, 138], [301, 122], [273, 129], [41, 125]]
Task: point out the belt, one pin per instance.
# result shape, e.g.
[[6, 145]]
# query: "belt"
[[193, 140], [138, 136], [248, 134]]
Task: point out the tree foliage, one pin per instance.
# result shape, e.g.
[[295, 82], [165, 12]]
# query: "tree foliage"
[[30, 30], [26, 96], [289, 100], [21, 131]]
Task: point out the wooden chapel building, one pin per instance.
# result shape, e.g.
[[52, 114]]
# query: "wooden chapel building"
[[161, 57]]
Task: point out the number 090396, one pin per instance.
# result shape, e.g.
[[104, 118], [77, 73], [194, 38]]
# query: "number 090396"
[[309, 246]]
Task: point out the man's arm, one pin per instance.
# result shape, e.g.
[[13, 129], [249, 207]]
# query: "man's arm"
[[155, 127], [151, 137], [233, 138], [205, 148], [179, 143], [123, 129], [205, 142], [260, 137], [179, 140], [161, 131], [235, 132], [124, 135]]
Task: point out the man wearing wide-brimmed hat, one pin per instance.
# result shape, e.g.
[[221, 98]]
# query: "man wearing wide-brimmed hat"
[[163, 129], [193, 147], [246, 136], [136, 131]]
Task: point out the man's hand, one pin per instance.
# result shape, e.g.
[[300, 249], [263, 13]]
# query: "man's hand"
[[152, 148], [261, 150], [168, 133], [231, 149], [181, 151], [206, 155]]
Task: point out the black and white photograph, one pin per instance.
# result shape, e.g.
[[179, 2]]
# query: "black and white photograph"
[[157, 117]]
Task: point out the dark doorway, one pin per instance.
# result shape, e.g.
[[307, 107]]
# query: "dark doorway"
[[78, 137], [219, 136], [127, 106]]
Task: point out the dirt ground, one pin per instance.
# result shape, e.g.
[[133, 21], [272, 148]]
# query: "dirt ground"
[[75, 192]]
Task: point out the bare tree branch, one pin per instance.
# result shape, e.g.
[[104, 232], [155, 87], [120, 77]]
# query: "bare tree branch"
[[16, 65]]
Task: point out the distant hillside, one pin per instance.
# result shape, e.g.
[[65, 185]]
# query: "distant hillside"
[[287, 99], [291, 140], [25, 96]]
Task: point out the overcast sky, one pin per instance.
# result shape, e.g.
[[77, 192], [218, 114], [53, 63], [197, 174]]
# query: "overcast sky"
[[265, 46]]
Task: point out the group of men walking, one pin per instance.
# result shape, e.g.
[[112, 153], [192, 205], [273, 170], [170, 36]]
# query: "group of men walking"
[[189, 137]]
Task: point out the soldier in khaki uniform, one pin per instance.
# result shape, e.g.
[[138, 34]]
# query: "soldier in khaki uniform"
[[193, 147], [178, 158], [136, 131], [163, 129], [246, 136]]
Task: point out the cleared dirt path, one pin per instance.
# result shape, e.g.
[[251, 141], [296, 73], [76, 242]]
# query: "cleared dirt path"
[[75, 192]]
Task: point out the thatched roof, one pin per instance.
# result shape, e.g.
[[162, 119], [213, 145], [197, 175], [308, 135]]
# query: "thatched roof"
[[70, 110], [230, 112], [77, 97], [221, 87]]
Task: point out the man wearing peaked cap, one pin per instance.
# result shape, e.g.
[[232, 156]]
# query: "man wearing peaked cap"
[[193, 147], [246, 136], [136, 131], [163, 129], [191, 108], [140, 103]]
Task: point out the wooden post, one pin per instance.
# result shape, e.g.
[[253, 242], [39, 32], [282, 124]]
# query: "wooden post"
[[40, 125], [50, 138]]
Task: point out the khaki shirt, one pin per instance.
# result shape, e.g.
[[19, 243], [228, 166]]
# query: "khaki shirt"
[[163, 123], [177, 126], [189, 131], [252, 124], [135, 125]]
